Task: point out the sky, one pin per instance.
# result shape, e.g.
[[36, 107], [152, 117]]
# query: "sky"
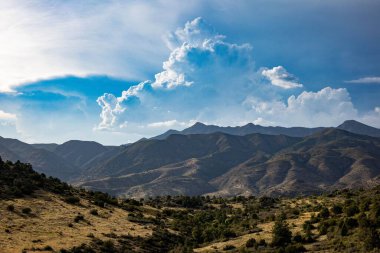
[[117, 71]]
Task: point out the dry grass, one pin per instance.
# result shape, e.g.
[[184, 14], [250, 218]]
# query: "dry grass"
[[266, 234], [48, 224]]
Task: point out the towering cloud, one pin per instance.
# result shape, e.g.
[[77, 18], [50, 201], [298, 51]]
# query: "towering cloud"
[[206, 78]]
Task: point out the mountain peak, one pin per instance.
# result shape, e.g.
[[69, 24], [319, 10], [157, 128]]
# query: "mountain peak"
[[359, 128], [198, 124], [351, 122]]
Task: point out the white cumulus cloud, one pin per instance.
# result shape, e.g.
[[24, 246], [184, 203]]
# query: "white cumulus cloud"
[[207, 78], [278, 76], [327, 107]]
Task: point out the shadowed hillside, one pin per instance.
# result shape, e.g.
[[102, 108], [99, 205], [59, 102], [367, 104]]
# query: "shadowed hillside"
[[229, 165]]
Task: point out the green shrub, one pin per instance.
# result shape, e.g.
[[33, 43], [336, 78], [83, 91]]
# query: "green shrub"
[[337, 209], [229, 247], [10, 208], [351, 210], [262, 242], [79, 218], [251, 243], [295, 248], [26, 210], [281, 234], [94, 212], [48, 248], [72, 200], [324, 213]]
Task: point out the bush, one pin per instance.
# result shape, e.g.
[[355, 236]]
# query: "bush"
[[294, 248], [251, 243], [324, 213], [48, 248], [351, 210], [94, 212], [281, 233], [72, 200], [262, 242], [322, 228], [229, 247], [336, 209], [79, 218], [26, 210], [10, 208]]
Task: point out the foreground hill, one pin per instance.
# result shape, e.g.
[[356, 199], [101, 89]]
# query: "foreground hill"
[[230, 165], [40, 214]]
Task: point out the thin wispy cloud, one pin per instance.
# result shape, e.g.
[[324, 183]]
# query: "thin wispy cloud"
[[366, 80], [47, 39]]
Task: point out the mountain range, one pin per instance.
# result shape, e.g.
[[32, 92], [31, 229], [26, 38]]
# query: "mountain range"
[[207, 159]]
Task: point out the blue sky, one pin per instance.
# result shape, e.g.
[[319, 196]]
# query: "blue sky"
[[117, 71]]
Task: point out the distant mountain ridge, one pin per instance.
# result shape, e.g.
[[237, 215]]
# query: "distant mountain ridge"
[[206, 160], [250, 128]]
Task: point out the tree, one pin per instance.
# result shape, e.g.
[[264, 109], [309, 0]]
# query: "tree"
[[281, 234]]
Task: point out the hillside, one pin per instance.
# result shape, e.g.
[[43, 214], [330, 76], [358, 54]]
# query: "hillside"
[[332, 159], [359, 128], [43, 160], [181, 164], [231, 165], [41, 214], [213, 163]]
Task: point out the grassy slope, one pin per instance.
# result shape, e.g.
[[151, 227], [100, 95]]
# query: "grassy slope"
[[174, 223], [48, 223]]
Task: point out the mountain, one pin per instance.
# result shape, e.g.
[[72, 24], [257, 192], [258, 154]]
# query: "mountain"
[[66, 161], [331, 159], [79, 152], [180, 164], [359, 128], [214, 163], [200, 128], [223, 164], [42, 160], [47, 146]]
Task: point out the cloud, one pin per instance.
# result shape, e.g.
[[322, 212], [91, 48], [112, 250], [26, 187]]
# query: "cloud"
[[372, 118], [278, 76], [201, 53], [170, 123], [46, 39], [207, 78], [7, 117], [327, 107], [372, 80], [203, 75]]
